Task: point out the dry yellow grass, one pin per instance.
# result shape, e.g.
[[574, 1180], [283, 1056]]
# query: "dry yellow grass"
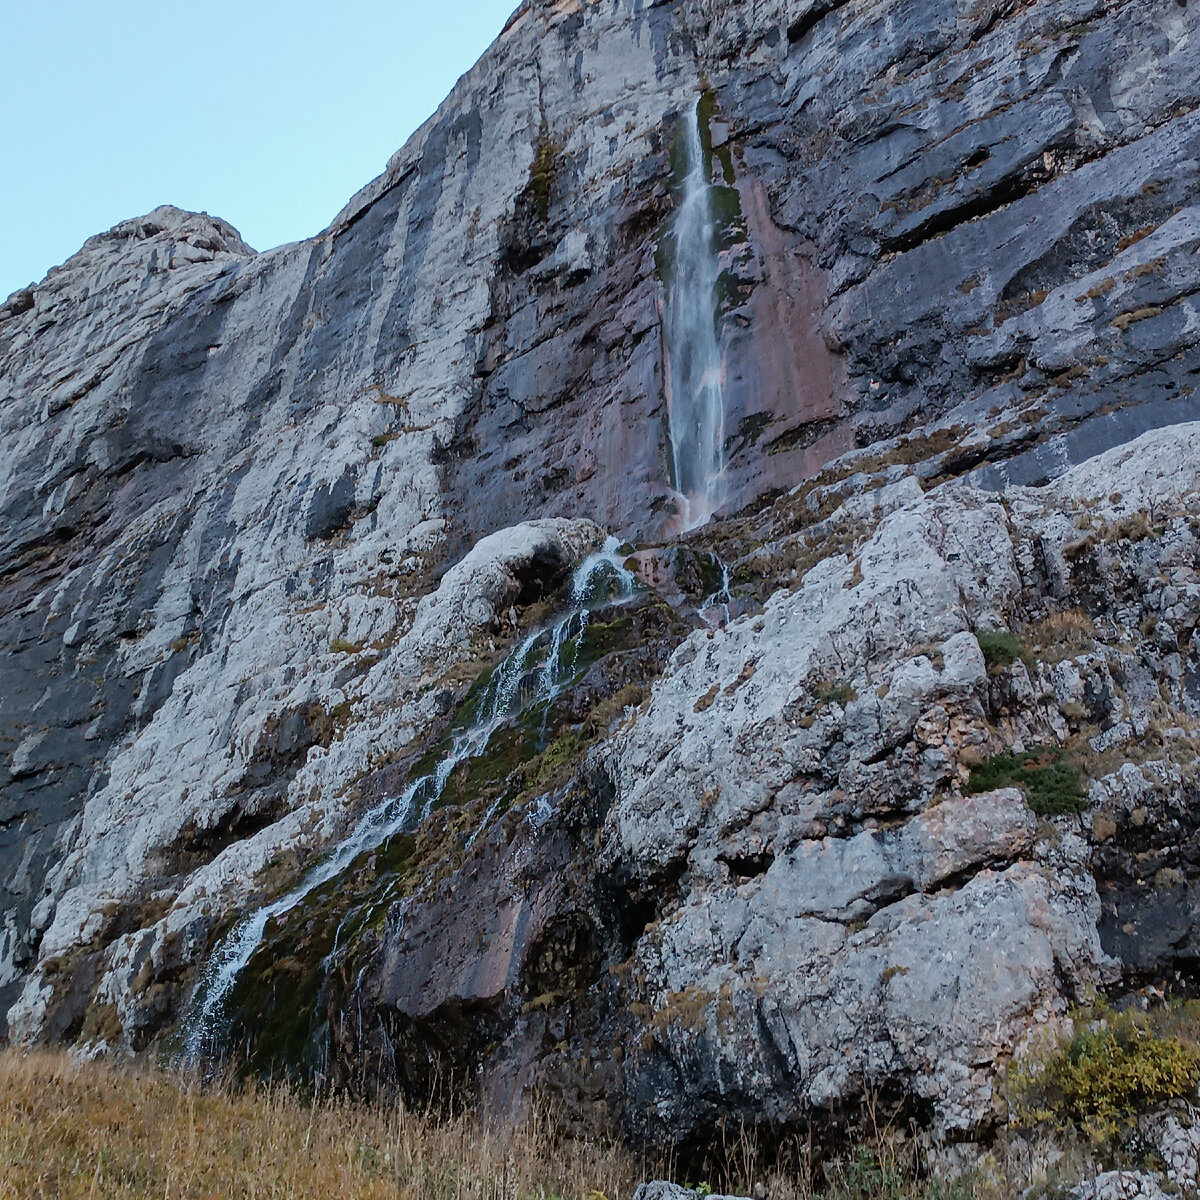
[[70, 1131], [1062, 635]]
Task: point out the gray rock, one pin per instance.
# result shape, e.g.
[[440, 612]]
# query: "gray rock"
[[1121, 1185], [661, 1189]]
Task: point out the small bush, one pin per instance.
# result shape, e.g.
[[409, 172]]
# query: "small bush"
[[888, 1170], [1000, 649], [1107, 1073], [1051, 784], [833, 691]]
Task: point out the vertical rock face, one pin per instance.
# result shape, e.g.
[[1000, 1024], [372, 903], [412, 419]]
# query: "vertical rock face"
[[264, 518]]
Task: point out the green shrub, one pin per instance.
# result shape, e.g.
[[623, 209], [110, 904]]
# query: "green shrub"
[[1000, 649], [1107, 1073], [833, 691], [1050, 783]]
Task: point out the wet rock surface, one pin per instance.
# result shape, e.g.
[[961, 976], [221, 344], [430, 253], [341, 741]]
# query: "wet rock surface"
[[266, 519]]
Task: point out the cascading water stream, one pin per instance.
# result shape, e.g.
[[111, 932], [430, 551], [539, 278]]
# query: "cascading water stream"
[[723, 596], [697, 405], [534, 672]]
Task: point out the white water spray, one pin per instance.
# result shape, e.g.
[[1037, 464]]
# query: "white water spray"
[[697, 405], [534, 672]]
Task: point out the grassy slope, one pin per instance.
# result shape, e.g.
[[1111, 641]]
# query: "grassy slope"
[[92, 1130], [70, 1131]]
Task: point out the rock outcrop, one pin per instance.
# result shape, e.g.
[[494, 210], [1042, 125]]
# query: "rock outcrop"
[[268, 520], [802, 892]]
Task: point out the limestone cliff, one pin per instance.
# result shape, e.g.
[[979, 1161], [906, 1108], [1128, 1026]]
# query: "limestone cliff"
[[272, 523]]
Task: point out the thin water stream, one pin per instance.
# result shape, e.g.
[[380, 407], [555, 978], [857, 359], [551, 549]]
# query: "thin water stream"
[[534, 673]]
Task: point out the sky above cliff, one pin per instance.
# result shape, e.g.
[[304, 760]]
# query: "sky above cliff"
[[268, 114]]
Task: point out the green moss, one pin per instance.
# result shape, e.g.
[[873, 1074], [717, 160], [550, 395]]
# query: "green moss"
[[706, 111], [1001, 649], [604, 637], [485, 776], [275, 1010], [279, 1006], [708, 566], [1051, 784], [562, 753], [729, 223], [542, 173], [725, 158], [1114, 1067], [706, 106]]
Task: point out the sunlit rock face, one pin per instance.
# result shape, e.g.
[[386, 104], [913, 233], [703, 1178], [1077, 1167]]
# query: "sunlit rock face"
[[266, 519]]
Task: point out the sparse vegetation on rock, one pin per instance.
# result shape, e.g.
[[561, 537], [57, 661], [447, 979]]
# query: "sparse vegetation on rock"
[[1052, 784], [1114, 1067]]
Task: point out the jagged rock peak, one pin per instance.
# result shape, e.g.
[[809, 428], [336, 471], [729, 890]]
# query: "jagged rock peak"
[[175, 225], [165, 238]]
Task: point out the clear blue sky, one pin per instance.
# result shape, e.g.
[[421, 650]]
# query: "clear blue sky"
[[267, 113]]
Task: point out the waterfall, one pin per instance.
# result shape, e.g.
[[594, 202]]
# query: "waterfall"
[[696, 407], [534, 672]]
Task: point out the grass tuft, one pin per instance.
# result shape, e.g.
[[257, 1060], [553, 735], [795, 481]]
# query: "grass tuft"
[[833, 691], [1063, 635], [1000, 649], [542, 173]]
